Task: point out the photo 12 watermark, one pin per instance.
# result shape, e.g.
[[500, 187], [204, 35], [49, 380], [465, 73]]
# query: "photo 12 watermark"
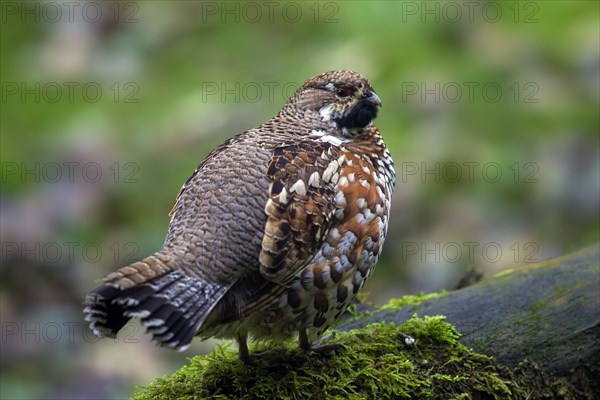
[[51, 12], [69, 172], [69, 92], [247, 92], [63, 252], [518, 172], [64, 332], [253, 12], [491, 252], [452, 12], [469, 92]]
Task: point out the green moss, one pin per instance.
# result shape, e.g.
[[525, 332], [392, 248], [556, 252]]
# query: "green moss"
[[412, 299], [374, 364]]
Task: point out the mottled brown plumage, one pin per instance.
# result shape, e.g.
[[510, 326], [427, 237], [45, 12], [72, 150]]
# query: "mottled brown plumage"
[[274, 233]]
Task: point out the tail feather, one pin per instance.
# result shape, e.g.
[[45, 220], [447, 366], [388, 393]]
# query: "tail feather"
[[104, 317], [171, 306]]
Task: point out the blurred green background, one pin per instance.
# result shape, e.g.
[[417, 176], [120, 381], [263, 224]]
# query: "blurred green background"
[[490, 111]]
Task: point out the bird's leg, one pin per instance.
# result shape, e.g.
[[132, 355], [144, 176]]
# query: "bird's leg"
[[317, 347], [243, 354], [303, 340]]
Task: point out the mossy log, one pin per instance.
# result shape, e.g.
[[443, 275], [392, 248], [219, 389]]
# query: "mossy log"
[[548, 313], [528, 333]]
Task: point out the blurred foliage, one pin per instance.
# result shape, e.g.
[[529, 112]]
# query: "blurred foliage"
[[200, 72]]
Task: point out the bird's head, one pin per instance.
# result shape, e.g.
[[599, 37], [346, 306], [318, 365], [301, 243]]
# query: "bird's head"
[[342, 99]]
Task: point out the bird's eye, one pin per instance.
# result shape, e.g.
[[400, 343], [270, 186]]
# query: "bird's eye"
[[344, 91]]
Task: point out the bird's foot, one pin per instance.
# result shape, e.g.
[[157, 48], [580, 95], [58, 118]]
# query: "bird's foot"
[[318, 346], [328, 349]]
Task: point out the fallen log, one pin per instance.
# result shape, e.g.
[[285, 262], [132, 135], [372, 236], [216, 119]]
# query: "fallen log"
[[547, 312]]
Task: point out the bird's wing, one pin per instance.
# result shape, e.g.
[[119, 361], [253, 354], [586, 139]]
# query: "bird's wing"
[[217, 222], [213, 154], [300, 208]]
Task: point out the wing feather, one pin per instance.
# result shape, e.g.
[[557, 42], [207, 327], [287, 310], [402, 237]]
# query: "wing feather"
[[300, 207]]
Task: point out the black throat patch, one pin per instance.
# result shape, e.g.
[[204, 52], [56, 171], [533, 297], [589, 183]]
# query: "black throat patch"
[[359, 116]]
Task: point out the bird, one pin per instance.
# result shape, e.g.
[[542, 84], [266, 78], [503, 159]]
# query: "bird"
[[274, 233]]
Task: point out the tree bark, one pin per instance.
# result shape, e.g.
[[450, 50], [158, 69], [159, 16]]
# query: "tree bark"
[[548, 313]]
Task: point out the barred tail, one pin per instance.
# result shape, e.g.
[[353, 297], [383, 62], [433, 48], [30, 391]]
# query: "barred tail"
[[171, 305]]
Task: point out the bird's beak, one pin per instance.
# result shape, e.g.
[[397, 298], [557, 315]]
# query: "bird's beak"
[[374, 99]]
